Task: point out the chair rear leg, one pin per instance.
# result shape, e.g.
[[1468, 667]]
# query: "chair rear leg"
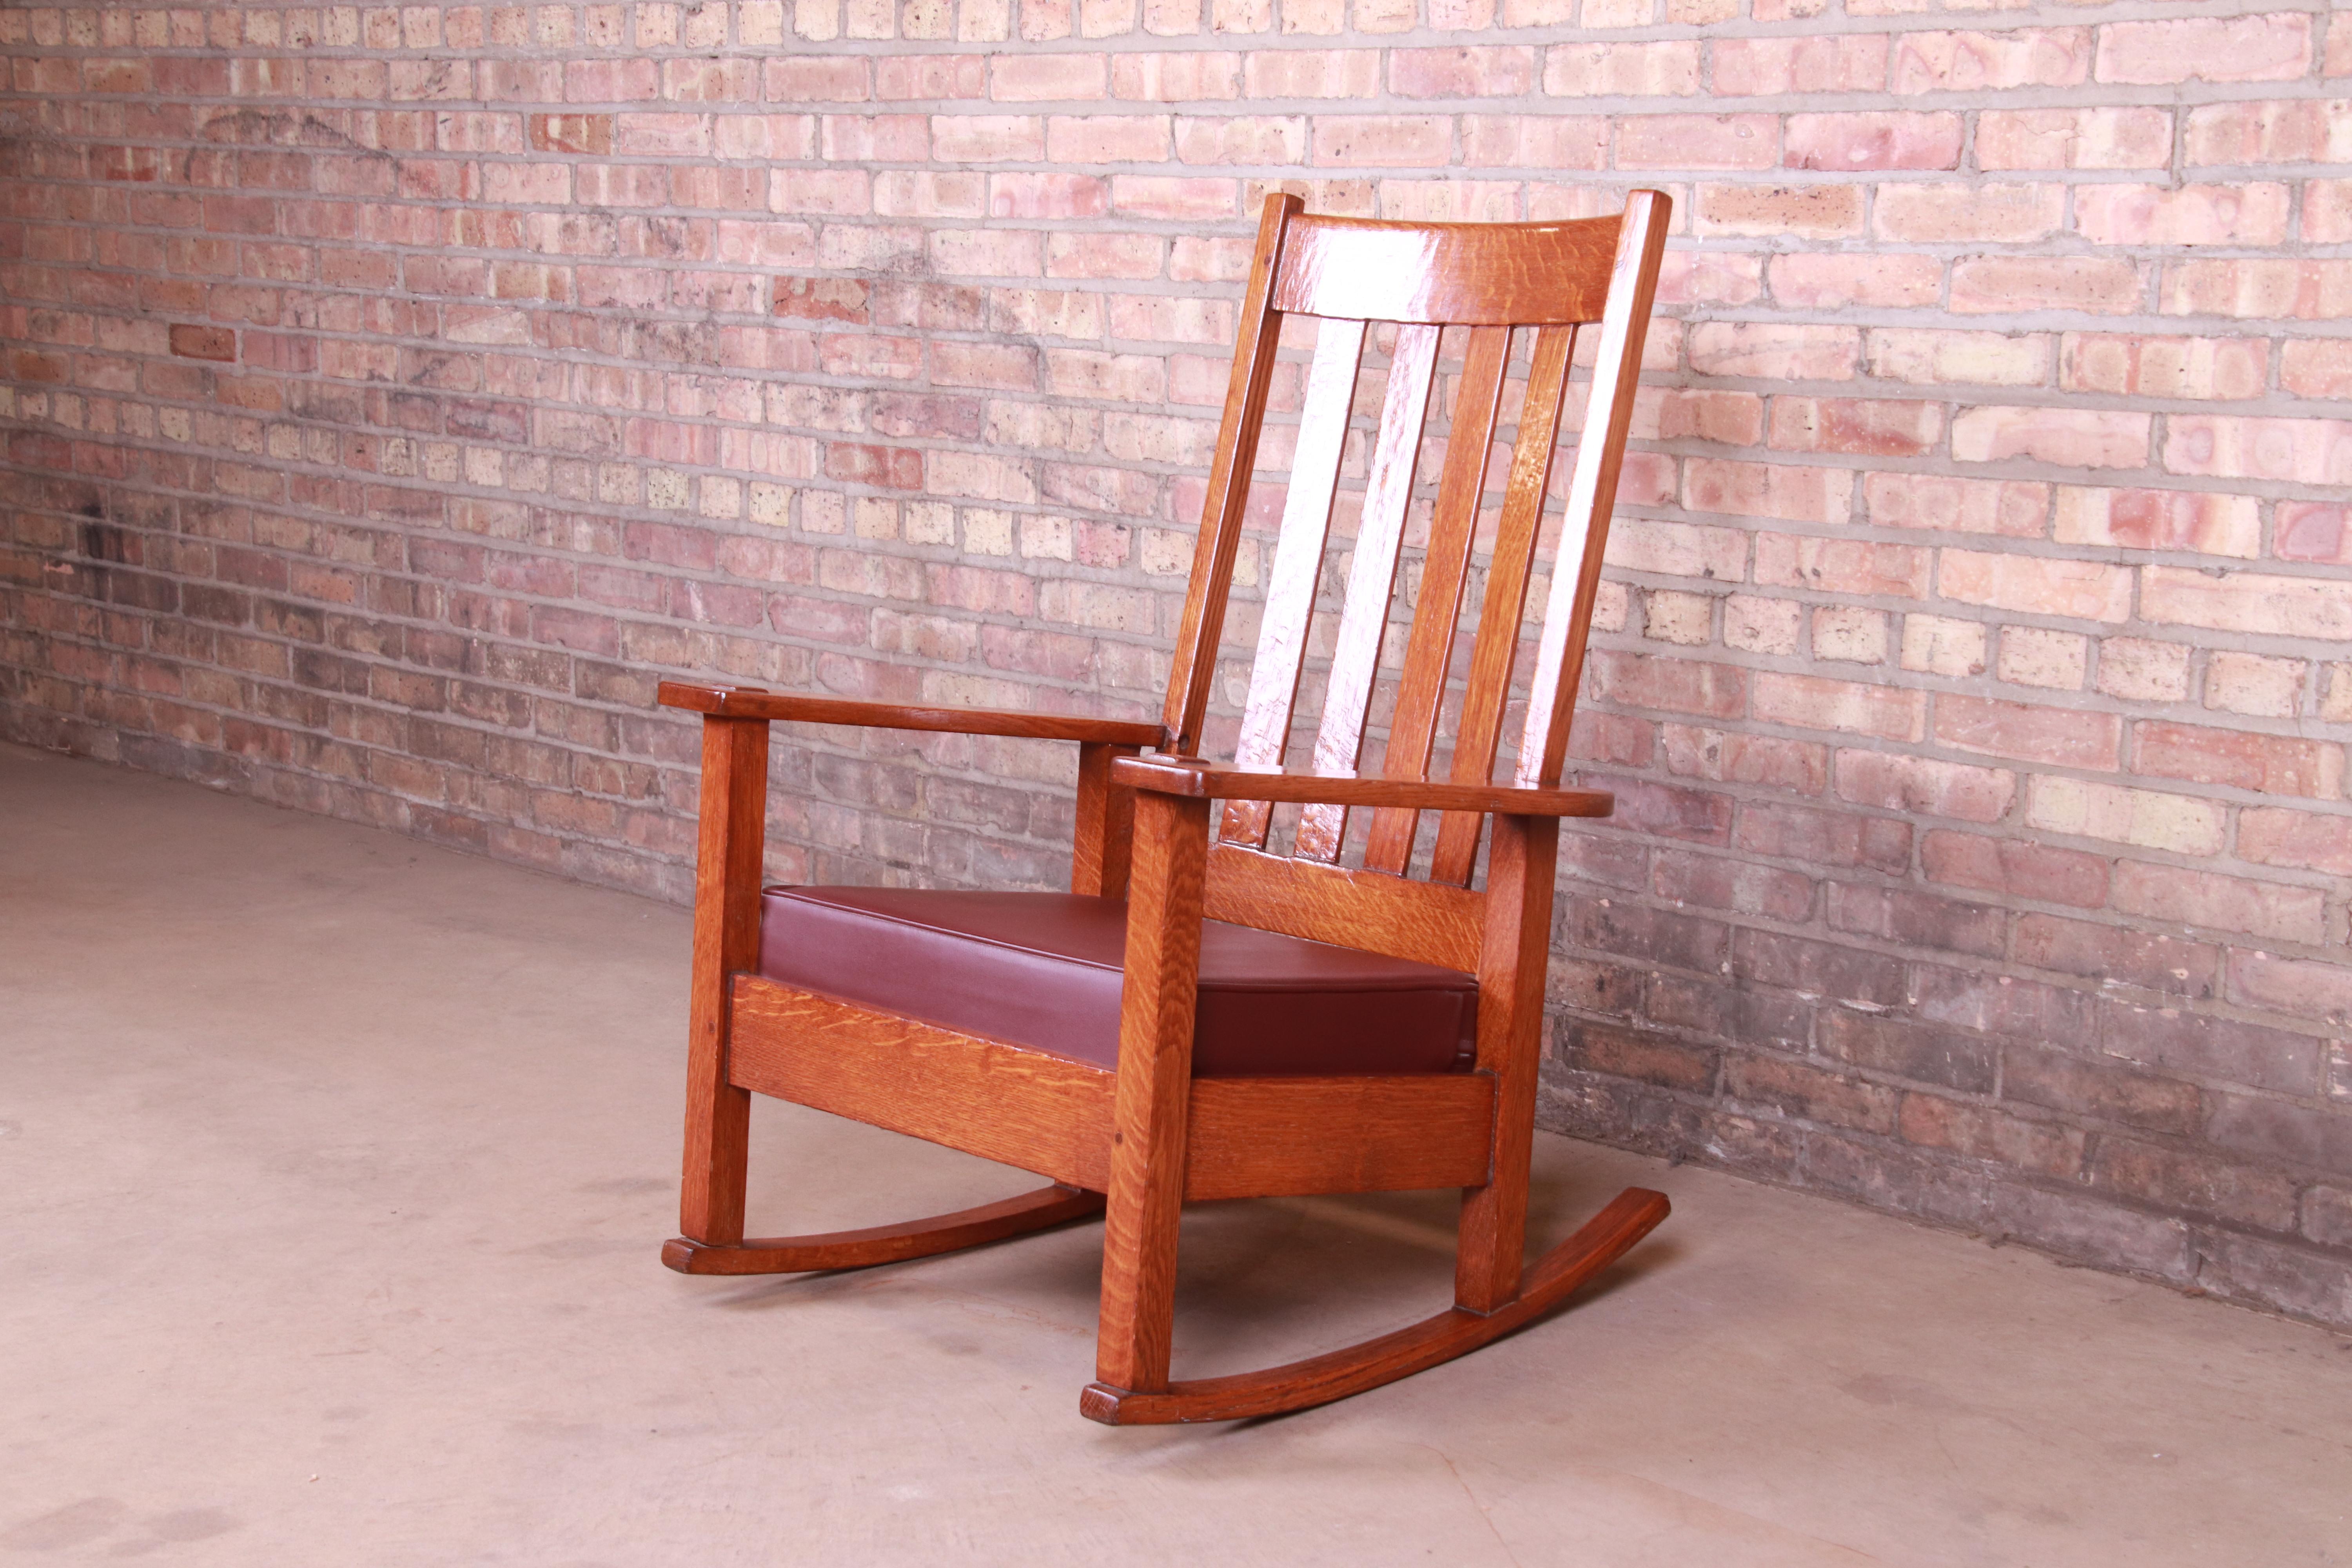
[[1154, 1095]]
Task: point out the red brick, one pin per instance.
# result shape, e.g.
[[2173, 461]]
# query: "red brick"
[[2015, 866]]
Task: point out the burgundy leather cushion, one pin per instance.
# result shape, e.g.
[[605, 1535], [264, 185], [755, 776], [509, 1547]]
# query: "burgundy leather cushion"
[[1042, 970]]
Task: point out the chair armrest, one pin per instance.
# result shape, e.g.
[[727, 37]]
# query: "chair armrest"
[[1209, 781], [751, 702]]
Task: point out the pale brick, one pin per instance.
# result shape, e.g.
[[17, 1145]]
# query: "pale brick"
[[1978, 62], [2035, 584], [2106, 138], [2250, 683], [2199, 521], [1747, 67], [1937, 645], [2138, 669], [2253, 214], [2129, 365], [2073, 438], [1875, 140], [2007, 284], [2146, 818], [1814, 212], [1935, 358], [2271, 47], [1850, 634], [1761, 626], [2035, 656], [1936, 214], [1773, 352]]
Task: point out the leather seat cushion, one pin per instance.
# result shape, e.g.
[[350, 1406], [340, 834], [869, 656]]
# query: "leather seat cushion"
[[1043, 970]]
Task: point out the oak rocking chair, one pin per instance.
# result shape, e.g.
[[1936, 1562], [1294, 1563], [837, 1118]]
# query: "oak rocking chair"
[[1201, 1019]]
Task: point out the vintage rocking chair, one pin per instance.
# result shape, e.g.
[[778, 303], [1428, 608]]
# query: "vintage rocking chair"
[[1329, 1030]]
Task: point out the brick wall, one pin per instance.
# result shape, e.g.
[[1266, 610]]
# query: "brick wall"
[[394, 394]]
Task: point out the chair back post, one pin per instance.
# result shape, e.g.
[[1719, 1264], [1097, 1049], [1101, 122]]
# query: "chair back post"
[[1203, 622], [728, 856], [1593, 489]]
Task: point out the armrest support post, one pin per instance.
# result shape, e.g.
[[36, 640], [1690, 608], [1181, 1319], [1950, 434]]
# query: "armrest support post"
[[1100, 851], [726, 939]]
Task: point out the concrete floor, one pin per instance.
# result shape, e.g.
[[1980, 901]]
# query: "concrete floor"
[[335, 1168]]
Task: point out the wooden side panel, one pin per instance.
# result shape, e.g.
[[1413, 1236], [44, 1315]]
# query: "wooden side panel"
[[726, 939], [1493, 274], [1023, 1108], [1423, 921], [1274, 1137], [1246, 1137], [1429, 648], [1593, 489], [1229, 483], [1371, 583], [1489, 685], [1298, 566]]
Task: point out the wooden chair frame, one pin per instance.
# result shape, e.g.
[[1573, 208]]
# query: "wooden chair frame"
[[1136, 1142]]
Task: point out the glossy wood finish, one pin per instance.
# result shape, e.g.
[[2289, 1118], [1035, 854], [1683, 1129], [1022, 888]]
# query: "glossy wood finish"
[[1192, 780], [1298, 566], [1424, 922], [1294, 1137], [1247, 1136], [1592, 487], [1604, 1239], [1455, 273], [1019, 1108], [1040, 1210], [1106, 824], [1480, 727], [1371, 583], [1149, 1136], [1155, 1075], [1230, 472], [750, 702], [726, 939], [1511, 962], [1446, 568]]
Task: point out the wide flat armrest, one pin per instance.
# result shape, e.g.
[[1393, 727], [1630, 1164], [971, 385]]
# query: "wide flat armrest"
[[1208, 781], [751, 702]]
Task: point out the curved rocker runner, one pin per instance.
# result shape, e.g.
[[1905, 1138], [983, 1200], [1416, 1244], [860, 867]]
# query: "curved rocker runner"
[[1201, 1016]]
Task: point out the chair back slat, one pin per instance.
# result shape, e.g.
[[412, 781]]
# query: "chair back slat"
[[1488, 280], [1298, 566], [1372, 582], [1480, 727], [1429, 648]]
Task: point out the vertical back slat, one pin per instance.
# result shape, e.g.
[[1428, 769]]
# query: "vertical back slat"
[[1372, 582], [1489, 685], [1429, 649], [1229, 485], [1297, 564], [1592, 491]]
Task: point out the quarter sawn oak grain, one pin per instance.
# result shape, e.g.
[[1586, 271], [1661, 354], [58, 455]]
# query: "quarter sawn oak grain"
[[1137, 1142]]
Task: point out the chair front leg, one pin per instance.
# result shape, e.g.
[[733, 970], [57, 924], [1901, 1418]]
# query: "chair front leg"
[[1521, 863], [726, 939], [1153, 1093]]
